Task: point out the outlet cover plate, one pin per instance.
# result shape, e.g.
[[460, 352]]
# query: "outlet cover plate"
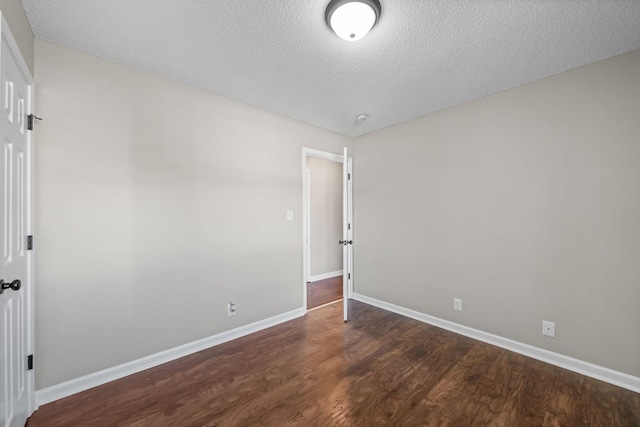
[[457, 304], [231, 309], [548, 329]]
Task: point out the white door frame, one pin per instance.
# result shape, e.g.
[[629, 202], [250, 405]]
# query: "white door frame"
[[29, 282], [306, 216], [310, 152]]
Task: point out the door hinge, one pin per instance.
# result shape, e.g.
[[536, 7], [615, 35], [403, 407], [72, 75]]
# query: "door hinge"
[[30, 119], [349, 276], [29, 243], [348, 176], [30, 362], [348, 226]]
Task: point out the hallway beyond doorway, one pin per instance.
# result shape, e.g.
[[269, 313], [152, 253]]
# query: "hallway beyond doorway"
[[324, 291]]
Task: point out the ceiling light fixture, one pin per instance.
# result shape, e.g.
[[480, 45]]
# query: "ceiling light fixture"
[[352, 19]]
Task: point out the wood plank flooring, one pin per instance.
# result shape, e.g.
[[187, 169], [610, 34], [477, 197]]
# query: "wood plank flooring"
[[379, 369], [323, 292]]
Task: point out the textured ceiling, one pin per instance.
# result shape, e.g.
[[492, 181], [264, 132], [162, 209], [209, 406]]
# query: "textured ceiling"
[[422, 56]]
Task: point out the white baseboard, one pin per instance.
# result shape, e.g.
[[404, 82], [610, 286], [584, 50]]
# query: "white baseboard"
[[325, 276], [67, 388], [620, 379], [95, 379]]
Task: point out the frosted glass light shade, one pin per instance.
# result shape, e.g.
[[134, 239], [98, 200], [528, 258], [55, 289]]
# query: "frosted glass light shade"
[[352, 20]]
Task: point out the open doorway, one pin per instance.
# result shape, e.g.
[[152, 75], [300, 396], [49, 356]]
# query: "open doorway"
[[324, 202], [326, 269], [324, 218]]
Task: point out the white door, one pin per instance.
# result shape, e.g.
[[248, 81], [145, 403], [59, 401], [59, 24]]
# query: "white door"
[[15, 158], [347, 232]]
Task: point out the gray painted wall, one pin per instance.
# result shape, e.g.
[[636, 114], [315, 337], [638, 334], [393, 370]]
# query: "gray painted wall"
[[525, 204], [156, 205], [326, 215], [16, 17]]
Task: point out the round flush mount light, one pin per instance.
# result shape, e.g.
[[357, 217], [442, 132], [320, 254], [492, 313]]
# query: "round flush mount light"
[[352, 19], [361, 117]]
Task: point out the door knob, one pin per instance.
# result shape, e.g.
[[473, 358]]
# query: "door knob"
[[15, 285]]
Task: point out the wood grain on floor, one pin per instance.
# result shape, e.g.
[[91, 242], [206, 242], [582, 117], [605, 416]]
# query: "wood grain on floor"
[[323, 292], [378, 369]]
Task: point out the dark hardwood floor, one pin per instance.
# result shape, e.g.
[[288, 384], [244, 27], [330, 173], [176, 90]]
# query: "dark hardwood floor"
[[378, 369], [323, 292]]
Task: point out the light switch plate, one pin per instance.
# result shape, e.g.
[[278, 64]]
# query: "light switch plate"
[[289, 215]]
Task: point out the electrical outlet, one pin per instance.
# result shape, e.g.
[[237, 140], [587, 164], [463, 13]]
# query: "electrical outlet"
[[457, 304], [548, 329], [231, 309]]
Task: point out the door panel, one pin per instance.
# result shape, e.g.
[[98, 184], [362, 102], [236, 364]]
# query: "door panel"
[[350, 227], [14, 94], [346, 209]]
